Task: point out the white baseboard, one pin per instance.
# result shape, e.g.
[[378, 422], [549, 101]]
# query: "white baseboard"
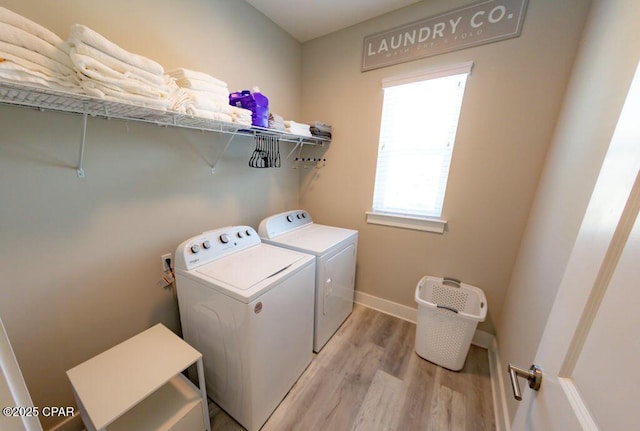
[[387, 307], [497, 370], [481, 339]]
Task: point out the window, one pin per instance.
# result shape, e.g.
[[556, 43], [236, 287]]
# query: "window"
[[420, 116]]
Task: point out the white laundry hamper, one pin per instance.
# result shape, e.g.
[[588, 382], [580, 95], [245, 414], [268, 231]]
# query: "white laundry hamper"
[[448, 314]]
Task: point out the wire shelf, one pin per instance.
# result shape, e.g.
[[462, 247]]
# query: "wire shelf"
[[51, 100]]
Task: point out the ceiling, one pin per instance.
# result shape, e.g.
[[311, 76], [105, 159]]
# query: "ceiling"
[[308, 19]]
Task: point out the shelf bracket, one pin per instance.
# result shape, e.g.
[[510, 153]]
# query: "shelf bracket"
[[300, 144], [80, 169], [217, 159]]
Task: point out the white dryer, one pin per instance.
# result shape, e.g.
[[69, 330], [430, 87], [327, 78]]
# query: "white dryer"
[[248, 308], [335, 249]]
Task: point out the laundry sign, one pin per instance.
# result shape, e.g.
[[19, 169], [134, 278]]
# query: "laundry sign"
[[479, 23]]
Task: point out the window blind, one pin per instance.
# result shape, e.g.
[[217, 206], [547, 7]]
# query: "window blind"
[[417, 133], [432, 73]]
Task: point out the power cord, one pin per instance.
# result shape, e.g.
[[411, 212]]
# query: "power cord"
[[168, 276], [168, 262]]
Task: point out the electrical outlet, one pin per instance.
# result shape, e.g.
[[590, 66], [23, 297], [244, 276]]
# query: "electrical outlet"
[[164, 258]]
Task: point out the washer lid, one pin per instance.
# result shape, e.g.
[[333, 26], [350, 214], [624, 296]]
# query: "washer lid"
[[314, 238], [249, 267]]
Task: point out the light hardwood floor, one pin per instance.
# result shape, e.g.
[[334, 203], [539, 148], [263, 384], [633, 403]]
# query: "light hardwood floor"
[[368, 377]]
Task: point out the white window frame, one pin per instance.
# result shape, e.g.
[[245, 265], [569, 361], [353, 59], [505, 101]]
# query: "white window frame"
[[417, 222]]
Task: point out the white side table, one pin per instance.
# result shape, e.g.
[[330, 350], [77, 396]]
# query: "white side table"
[[138, 385]]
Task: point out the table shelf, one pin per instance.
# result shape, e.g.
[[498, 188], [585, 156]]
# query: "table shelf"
[[130, 382]]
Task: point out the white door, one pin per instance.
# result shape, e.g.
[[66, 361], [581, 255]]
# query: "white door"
[[339, 284], [334, 293], [13, 391], [590, 349]]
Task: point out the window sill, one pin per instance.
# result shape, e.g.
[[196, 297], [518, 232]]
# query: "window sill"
[[407, 222]]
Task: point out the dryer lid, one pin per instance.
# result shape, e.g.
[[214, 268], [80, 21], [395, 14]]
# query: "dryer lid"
[[315, 238], [249, 267]]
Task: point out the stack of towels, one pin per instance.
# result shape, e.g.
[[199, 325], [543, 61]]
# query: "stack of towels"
[[201, 95], [89, 63], [276, 122], [241, 115], [321, 130], [31, 54], [294, 128], [108, 71]]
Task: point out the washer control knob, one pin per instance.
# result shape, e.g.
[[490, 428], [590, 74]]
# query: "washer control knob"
[[299, 216], [224, 238], [248, 232], [206, 245], [289, 218], [195, 248], [303, 215], [240, 234]]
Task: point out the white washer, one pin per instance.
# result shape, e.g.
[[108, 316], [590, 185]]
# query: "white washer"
[[248, 308], [335, 249]]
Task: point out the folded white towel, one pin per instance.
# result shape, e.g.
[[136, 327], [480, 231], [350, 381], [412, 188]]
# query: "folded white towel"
[[122, 68], [219, 98], [15, 73], [240, 112], [242, 121], [291, 123], [182, 73], [84, 34], [297, 128], [18, 21], [19, 37], [27, 67], [93, 69], [204, 100], [178, 97], [198, 84], [204, 113], [241, 115], [35, 61], [109, 92]]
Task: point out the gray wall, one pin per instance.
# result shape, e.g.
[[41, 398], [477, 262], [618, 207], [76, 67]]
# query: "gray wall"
[[512, 99], [80, 258]]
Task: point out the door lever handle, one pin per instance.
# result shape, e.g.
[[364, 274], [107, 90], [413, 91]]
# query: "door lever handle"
[[533, 375]]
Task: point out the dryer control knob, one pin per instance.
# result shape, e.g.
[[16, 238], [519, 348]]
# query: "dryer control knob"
[[224, 238], [195, 248], [240, 234], [289, 218], [248, 232], [206, 245]]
